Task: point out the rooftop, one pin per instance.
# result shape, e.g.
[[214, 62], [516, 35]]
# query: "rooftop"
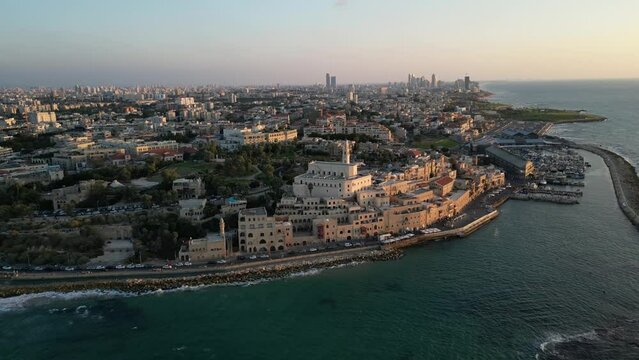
[[507, 156], [254, 211]]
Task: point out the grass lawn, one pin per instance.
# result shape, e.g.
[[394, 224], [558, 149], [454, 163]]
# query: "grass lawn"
[[548, 115], [427, 143], [189, 168]]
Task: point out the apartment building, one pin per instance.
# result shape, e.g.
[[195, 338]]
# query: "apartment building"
[[259, 232]]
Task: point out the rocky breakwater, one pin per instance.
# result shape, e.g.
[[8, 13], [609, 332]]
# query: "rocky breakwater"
[[624, 179], [145, 285]]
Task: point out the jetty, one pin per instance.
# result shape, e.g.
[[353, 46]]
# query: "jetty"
[[460, 232], [624, 179], [548, 195]]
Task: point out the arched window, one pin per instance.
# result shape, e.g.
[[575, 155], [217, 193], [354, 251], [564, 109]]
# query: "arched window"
[[250, 235], [262, 241]]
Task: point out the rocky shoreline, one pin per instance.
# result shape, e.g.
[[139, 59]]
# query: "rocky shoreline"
[[145, 285], [624, 179]]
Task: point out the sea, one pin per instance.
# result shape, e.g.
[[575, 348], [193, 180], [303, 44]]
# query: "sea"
[[542, 281]]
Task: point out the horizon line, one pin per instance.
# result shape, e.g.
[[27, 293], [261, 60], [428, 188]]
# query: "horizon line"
[[5, 87]]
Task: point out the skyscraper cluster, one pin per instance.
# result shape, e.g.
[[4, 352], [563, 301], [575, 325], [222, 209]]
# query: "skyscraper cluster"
[[331, 82], [417, 82]]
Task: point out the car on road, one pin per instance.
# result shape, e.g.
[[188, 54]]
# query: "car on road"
[[221, 261], [252, 257], [312, 249], [7, 268], [348, 244], [265, 256], [167, 266], [69, 268], [120, 267], [188, 263]]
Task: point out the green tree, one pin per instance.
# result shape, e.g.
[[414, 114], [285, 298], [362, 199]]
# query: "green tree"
[[168, 176]]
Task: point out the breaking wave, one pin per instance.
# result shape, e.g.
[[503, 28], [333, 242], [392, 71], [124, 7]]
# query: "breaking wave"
[[618, 342], [22, 302]]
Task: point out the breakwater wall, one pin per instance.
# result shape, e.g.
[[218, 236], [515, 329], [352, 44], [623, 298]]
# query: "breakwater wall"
[[457, 232], [145, 285], [624, 179], [557, 199]]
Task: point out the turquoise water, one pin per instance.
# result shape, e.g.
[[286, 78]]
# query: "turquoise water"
[[561, 278]]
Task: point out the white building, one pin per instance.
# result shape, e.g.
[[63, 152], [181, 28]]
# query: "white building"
[[325, 179], [185, 101], [192, 209]]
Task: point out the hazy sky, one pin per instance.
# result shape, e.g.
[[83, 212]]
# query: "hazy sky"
[[66, 42]]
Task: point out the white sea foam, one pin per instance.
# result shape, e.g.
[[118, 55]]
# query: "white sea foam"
[[310, 272], [554, 338], [21, 302]]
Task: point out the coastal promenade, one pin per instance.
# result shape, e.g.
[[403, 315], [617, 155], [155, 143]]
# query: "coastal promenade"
[[481, 213], [144, 283], [624, 179], [457, 232]]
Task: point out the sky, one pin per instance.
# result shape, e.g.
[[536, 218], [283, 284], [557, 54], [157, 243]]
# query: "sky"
[[252, 42]]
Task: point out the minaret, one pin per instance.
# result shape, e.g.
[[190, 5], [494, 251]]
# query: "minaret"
[[346, 153], [223, 236]]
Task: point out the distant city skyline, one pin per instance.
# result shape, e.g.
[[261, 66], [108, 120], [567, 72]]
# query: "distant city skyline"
[[253, 42]]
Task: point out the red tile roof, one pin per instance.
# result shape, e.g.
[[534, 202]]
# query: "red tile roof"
[[444, 181]]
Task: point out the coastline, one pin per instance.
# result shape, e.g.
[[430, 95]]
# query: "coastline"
[[576, 121], [273, 269], [624, 179], [137, 285], [623, 174]]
